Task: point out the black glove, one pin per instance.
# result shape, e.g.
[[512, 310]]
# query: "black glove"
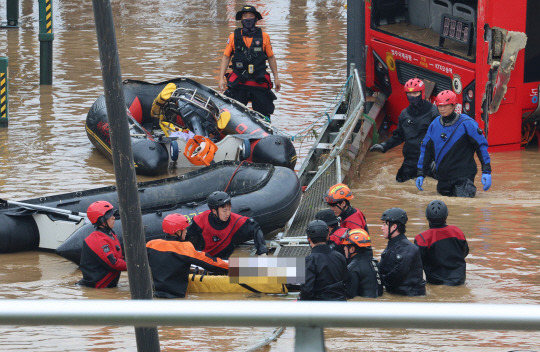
[[377, 148]]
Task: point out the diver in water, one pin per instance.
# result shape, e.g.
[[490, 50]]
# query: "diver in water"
[[218, 231], [102, 260], [451, 142], [413, 123]]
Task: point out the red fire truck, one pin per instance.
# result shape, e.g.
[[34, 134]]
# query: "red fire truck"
[[486, 51]]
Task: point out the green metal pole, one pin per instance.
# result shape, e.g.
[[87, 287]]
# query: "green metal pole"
[[46, 37], [3, 91], [12, 12]]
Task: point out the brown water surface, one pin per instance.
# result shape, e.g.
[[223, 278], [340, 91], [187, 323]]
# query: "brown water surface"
[[45, 151]]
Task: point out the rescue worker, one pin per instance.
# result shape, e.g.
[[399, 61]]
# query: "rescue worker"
[[363, 277], [326, 270], [443, 248], [413, 123], [102, 260], [250, 48], [451, 141], [401, 264], [337, 198], [218, 231], [336, 232], [171, 258]]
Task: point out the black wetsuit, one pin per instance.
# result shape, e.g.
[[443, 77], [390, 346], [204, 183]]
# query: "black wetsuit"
[[443, 252], [413, 123], [401, 268], [363, 277], [326, 272]]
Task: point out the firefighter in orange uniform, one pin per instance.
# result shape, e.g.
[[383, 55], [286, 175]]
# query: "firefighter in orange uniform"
[[171, 258], [249, 48]]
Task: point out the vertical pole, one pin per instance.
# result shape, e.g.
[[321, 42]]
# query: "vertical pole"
[[3, 91], [140, 281], [356, 38], [309, 339], [46, 37], [12, 13]]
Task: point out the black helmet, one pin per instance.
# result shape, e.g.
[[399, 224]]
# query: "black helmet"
[[218, 199], [328, 216], [317, 229], [436, 211], [248, 8], [395, 216]]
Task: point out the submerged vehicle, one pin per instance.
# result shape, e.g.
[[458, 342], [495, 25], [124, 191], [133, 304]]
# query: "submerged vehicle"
[[183, 123], [269, 194]]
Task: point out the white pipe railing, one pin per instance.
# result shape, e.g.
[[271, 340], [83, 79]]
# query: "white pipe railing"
[[276, 313]]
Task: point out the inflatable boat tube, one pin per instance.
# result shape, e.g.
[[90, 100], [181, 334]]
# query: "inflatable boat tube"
[[222, 284], [153, 154], [270, 194]]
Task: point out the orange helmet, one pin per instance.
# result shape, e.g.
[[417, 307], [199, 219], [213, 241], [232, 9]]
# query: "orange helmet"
[[446, 97], [174, 222], [357, 237], [338, 193], [415, 85], [98, 209]]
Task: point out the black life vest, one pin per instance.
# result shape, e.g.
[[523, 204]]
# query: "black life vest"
[[244, 57]]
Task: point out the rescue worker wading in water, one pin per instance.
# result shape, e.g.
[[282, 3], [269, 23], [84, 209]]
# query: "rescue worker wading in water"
[[218, 231], [171, 258], [101, 257], [249, 48], [337, 198], [335, 232]]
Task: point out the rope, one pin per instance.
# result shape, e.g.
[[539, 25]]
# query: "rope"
[[234, 173], [267, 340], [375, 138]]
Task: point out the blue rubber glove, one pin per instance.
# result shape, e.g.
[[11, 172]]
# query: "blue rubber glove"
[[486, 181], [420, 182]]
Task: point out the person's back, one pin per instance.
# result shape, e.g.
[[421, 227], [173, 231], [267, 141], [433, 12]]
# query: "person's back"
[[363, 277], [401, 268], [326, 269], [443, 248], [401, 265], [170, 259]]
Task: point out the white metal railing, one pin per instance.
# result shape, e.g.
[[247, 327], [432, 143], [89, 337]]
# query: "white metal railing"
[[308, 317]]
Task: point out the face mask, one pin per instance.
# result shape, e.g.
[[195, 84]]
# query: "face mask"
[[249, 23], [414, 101]]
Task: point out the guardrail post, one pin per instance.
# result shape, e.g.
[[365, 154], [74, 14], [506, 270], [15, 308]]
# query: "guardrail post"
[[12, 13], [3, 91], [309, 339], [46, 37]]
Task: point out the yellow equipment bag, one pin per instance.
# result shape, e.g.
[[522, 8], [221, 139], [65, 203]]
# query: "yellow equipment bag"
[[161, 99], [222, 284]]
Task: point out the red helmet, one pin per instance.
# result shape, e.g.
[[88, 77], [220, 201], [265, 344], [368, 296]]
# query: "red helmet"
[[357, 237], [415, 85], [337, 193], [446, 97], [98, 209], [174, 222]]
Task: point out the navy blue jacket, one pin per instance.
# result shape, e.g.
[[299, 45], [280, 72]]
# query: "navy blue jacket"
[[453, 152]]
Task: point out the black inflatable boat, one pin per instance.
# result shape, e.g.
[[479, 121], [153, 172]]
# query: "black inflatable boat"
[[239, 133], [270, 194]]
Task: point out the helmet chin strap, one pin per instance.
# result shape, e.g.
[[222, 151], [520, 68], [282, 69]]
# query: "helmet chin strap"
[[392, 232]]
